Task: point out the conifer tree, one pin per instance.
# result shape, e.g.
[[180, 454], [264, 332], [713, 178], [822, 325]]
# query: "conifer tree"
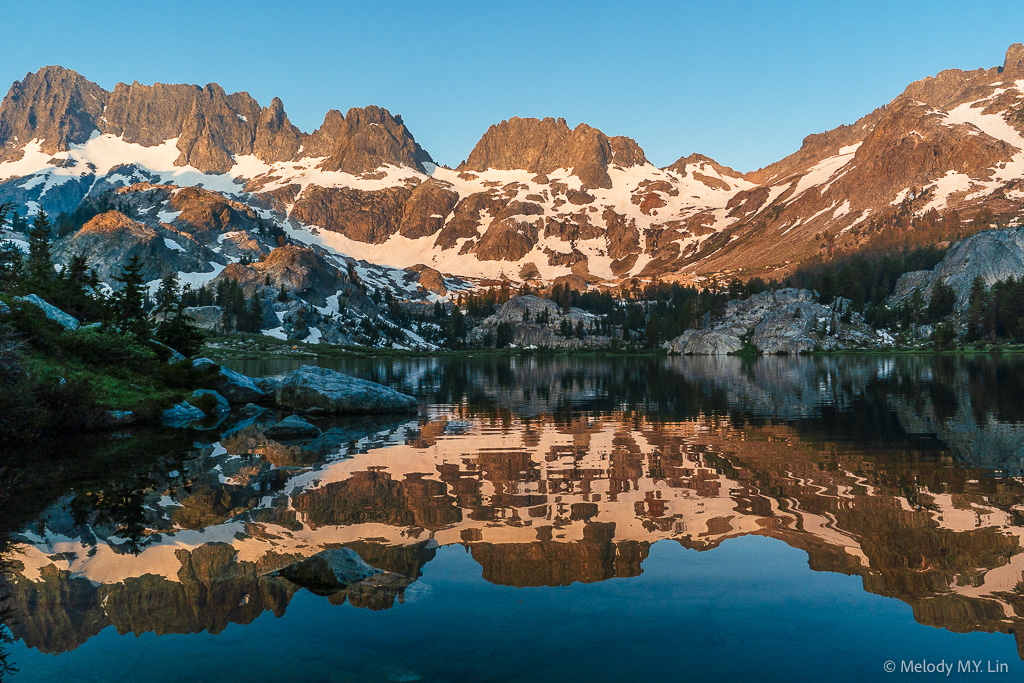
[[129, 304], [39, 270], [167, 299]]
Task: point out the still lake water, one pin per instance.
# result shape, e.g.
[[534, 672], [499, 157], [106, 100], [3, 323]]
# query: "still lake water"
[[547, 519]]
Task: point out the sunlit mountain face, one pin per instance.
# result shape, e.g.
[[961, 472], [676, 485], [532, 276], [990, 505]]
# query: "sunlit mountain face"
[[548, 473]]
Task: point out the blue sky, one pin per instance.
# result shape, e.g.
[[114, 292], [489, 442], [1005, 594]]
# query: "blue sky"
[[740, 81]]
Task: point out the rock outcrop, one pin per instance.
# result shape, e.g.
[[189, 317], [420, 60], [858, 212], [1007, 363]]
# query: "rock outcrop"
[[992, 255], [543, 145], [787, 321], [537, 322]]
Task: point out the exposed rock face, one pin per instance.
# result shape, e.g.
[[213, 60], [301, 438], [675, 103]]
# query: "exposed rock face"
[[541, 146], [363, 140], [786, 321], [312, 389], [54, 105], [366, 216], [522, 314], [427, 208], [109, 241], [1014, 63], [430, 279], [60, 108], [952, 141], [298, 269], [992, 255], [209, 318]]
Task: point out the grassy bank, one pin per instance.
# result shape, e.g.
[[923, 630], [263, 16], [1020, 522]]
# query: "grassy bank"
[[56, 380]]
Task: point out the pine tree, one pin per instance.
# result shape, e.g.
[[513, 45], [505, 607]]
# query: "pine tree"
[[39, 270], [168, 296], [129, 304], [977, 308]]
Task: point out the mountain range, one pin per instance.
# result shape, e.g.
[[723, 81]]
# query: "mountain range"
[[197, 180]]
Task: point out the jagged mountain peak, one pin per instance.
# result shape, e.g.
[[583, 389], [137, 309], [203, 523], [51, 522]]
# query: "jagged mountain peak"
[[60, 108], [1014, 62], [543, 145]]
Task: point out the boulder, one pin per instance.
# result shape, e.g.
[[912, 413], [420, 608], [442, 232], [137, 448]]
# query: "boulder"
[[313, 389], [268, 385], [328, 571], [209, 401], [234, 386], [5, 310], [181, 415], [69, 322], [209, 318], [292, 427], [709, 342]]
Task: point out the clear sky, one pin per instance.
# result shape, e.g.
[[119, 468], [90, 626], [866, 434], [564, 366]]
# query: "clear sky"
[[741, 81]]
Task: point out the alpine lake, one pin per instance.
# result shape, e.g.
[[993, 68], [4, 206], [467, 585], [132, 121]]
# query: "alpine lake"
[[545, 519]]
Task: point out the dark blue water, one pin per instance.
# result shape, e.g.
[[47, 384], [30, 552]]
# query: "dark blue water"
[[559, 519]]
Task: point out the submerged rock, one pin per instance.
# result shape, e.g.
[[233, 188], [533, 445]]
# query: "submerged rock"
[[68, 321], [181, 415], [313, 389], [292, 427], [328, 571]]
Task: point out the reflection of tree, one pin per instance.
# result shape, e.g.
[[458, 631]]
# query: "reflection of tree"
[[6, 613]]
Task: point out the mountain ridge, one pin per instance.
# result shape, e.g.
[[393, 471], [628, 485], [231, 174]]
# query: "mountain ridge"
[[534, 198]]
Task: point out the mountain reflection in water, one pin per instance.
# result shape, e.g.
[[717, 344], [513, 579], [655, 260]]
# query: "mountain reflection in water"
[[904, 472]]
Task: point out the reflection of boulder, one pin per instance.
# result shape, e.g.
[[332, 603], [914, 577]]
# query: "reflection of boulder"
[[328, 571]]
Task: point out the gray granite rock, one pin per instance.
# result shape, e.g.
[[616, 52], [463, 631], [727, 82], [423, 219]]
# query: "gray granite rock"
[[313, 389], [234, 386], [69, 322]]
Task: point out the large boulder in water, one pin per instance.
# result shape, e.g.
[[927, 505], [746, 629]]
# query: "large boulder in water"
[[234, 386], [328, 571], [313, 389]]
